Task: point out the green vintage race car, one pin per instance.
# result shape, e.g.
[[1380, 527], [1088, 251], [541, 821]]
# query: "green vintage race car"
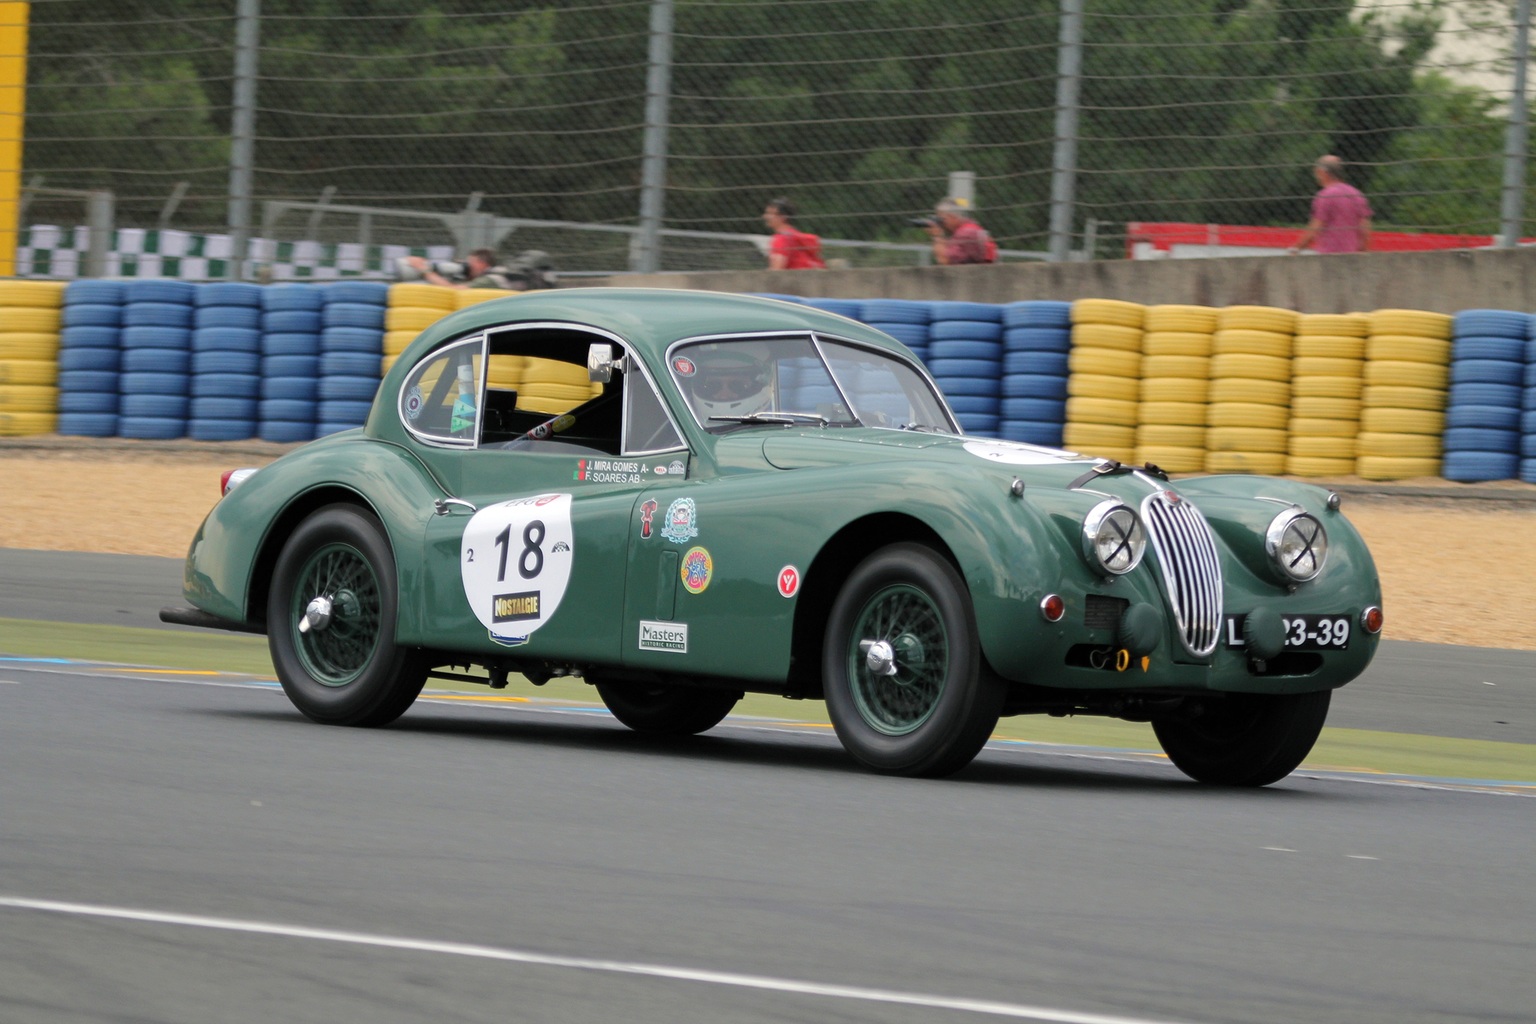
[[684, 496]]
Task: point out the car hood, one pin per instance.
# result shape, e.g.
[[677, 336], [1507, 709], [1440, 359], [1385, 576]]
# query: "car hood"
[[1070, 477], [816, 449]]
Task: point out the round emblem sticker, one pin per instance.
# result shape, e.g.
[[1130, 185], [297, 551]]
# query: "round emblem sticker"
[[683, 367], [413, 401], [515, 561], [696, 570], [789, 581]]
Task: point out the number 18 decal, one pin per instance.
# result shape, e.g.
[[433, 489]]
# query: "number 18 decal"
[[515, 560]]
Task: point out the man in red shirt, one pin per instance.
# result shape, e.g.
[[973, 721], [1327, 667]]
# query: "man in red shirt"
[[1341, 216], [957, 238], [790, 249]]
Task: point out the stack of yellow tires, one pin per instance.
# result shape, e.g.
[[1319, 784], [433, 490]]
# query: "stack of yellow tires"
[[1250, 393], [506, 372], [413, 307], [1329, 359], [29, 351], [1104, 378], [1175, 372], [1407, 375]]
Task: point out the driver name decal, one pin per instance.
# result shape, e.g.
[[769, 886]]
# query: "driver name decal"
[[515, 562], [609, 471]]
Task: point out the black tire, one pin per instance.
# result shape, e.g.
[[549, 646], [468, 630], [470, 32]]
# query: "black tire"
[[929, 711], [349, 671], [1244, 739], [667, 710]]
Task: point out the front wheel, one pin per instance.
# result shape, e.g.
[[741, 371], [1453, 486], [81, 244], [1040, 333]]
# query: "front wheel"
[[905, 683], [1244, 739], [667, 710], [331, 622]]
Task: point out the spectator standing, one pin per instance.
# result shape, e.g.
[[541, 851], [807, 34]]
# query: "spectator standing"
[[1341, 216], [957, 238], [790, 248]]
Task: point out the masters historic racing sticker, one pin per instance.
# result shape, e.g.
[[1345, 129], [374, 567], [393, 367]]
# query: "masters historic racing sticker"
[[515, 560]]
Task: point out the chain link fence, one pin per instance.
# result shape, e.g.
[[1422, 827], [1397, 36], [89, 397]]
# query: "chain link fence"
[[1202, 111]]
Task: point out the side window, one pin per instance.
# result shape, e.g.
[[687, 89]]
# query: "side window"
[[647, 427], [440, 400]]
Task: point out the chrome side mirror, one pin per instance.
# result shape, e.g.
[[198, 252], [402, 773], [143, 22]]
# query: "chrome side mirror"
[[600, 362]]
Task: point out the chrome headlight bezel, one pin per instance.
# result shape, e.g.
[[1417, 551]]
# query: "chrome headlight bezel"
[[1114, 539], [1297, 545]]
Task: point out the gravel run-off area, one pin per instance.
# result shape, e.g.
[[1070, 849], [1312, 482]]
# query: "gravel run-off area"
[[1456, 564]]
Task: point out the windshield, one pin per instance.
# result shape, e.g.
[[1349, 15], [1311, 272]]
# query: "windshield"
[[789, 380]]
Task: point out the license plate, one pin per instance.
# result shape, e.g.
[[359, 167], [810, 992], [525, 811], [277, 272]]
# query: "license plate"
[[1302, 632]]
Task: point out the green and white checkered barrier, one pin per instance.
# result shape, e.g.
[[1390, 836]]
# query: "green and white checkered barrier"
[[58, 253]]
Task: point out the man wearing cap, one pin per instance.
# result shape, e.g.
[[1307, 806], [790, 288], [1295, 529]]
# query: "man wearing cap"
[[957, 238], [1341, 216]]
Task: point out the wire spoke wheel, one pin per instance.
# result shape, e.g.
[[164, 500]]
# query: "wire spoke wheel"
[[338, 653], [906, 686], [898, 660], [331, 617]]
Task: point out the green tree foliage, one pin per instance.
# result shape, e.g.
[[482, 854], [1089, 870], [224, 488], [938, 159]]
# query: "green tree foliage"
[[1192, 110]]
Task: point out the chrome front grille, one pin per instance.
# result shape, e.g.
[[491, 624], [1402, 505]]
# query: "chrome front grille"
[[1186, 553]]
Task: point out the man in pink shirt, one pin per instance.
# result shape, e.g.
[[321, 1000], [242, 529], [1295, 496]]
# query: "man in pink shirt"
[[1341, 217]]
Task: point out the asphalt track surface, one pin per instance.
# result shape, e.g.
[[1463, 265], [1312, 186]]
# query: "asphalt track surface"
[[183, 847]]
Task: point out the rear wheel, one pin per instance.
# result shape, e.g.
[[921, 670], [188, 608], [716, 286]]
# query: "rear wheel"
[[1244, 739], [331, 622], [905, 684], [667, 710]]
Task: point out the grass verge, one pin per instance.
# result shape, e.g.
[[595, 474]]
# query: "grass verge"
[[1338, 749]]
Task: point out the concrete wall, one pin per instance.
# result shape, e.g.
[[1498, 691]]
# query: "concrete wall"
[[1443, 282]]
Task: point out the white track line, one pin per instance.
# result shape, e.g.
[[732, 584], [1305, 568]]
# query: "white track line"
[[1016, 1011]]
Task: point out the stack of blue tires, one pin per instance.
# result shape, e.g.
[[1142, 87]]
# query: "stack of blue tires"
[[1528, 411], [290, 362], [1037, 339], [1482, 419], [902, 319], [351, 352], [965, 356], [90, 357], [157, 359], [851, 308], [226, 362]]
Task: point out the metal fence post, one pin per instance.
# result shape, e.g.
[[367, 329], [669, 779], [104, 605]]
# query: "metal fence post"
[[99, 212], [242, 149], [1513, 206], [646, 257], [1069, 80]]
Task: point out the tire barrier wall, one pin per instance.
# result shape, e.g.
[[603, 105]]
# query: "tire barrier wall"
[[1390, 394]]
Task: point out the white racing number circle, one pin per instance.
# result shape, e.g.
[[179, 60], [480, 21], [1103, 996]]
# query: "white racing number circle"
[[1010, 453], [515, 559]]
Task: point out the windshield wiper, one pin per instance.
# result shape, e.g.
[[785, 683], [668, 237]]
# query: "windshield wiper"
[[785, 418], [926, 428]]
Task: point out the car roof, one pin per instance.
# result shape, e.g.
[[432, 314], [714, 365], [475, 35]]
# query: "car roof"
[[649, 319]]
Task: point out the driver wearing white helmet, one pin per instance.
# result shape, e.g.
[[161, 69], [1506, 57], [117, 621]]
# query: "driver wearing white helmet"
[[724, 382]]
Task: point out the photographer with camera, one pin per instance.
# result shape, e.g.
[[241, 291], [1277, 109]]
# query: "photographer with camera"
[[531, 270], [957, 238]]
